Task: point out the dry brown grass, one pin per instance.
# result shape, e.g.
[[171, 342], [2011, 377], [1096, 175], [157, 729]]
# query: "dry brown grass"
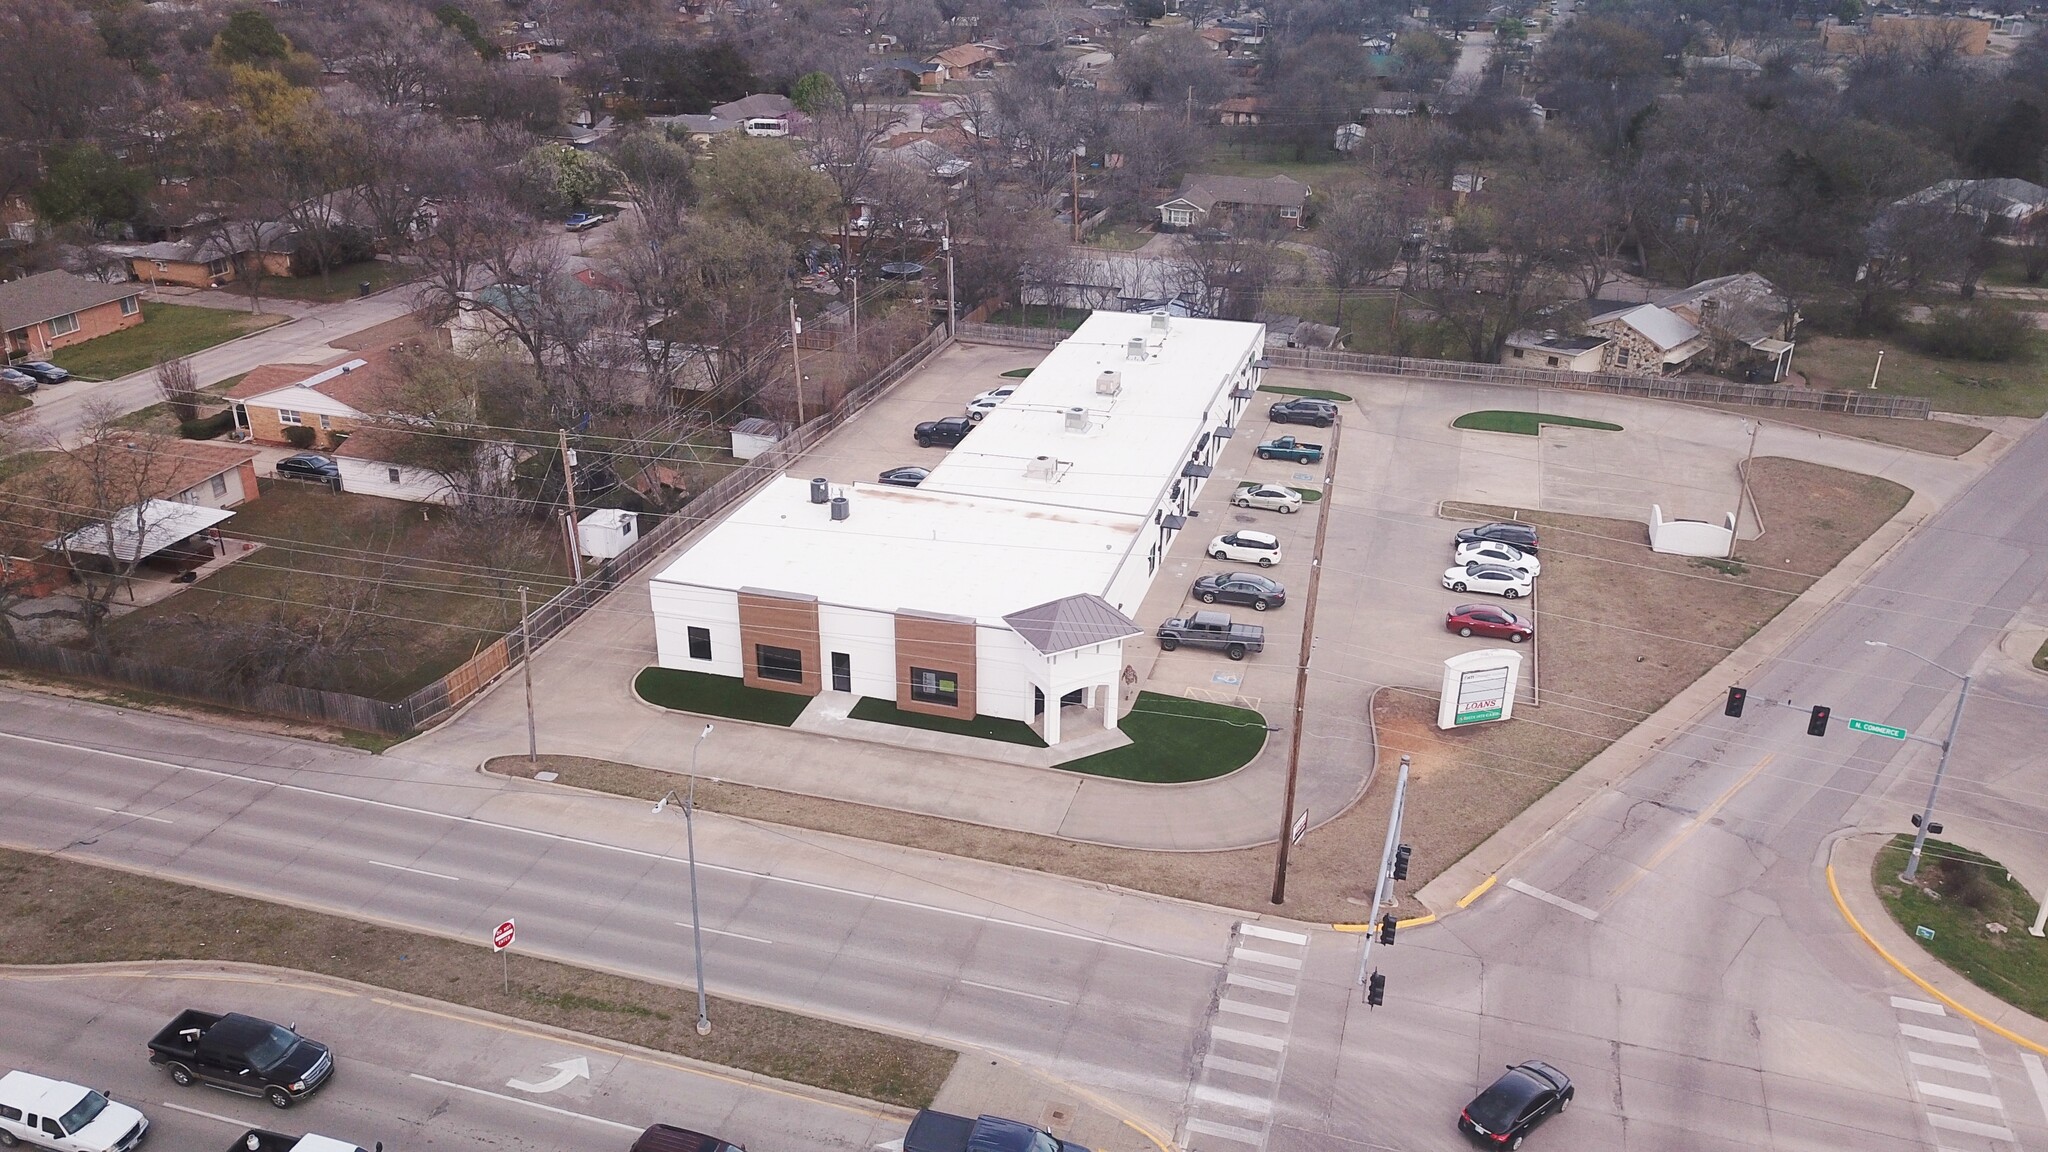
[[1623, 630], [62, 912], [1939, 437]]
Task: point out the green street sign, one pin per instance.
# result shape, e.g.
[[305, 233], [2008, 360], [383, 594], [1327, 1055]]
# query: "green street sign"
[[1876, 729]]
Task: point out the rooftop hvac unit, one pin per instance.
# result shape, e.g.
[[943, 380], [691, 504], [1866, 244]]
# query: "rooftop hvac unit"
[[1109, 383], [1135, 350], [1159, 323], [1077, 419], [1040, 468], [821, 490], [841, 508]]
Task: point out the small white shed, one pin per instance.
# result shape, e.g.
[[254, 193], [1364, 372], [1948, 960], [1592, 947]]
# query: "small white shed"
[[607, 533], [753, 436]]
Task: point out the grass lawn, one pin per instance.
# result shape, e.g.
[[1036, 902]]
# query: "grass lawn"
[[12, 402], [1308, 495], [343, 283], [404, 592], [167, 331], [1121, 237], [1248, 157], [1040, 316], [1311, 393], [985, 727], [1524, 423], [62, 912], [1175, 740], [1017, 373], [2017, 389], [2041, 658], [1940, 437], [710, 695], [1973, 890]]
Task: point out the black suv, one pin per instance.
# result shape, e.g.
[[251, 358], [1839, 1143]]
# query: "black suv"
[[946, 433], [1526, 1095], [41, 371], [1303, 410], [1522, 536]]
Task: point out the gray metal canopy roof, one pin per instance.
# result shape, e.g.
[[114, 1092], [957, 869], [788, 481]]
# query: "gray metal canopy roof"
[[1071, 622]]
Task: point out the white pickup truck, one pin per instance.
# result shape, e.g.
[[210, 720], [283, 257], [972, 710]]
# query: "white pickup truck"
[[258, 1140], [47, 1113]]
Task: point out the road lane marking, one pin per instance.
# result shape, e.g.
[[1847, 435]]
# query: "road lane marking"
[[1258, 957], [531, 1104], [133, 815], [1973, 1127], [1227, 1132], [723, 932], [1555, 901], [1016, 992], [1240, 1067], [1911, 1005], [1941, 1036], [1683, 834], [563, 838], [1259, 984], [566, 1073], [1256, 1012], [1265, 933], [1241, 1101], [230, 1121], [1964, 1067], [2038, 1077], [1960, 1095], [414, 871], [1248, 1039]]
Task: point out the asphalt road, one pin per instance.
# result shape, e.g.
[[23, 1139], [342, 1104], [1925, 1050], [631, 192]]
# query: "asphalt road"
[[408, 1074]]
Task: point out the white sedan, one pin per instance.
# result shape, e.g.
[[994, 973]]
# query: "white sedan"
[[1495, 578], [1492, 552], [989, 401], [1259, 548], [1271, 497]]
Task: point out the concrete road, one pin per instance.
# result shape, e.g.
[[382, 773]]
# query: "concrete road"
[[1672, 943], [409, 1073]]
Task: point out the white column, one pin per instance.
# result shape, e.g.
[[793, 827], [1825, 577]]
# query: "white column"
[[1052, 717], [1111, 702]]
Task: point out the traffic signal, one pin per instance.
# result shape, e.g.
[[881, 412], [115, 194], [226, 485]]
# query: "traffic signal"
[[1817, 724], [1387, 928], [1933, 826], [1736, 698], [1376, 989], [1401, 855]]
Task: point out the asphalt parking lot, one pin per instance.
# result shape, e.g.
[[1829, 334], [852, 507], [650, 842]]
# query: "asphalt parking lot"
[[880, 437]]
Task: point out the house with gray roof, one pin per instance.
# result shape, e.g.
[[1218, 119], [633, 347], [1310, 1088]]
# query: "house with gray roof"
[[50, 310], [1214, 201]]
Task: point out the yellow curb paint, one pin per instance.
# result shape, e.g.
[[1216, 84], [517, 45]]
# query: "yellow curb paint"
[[1909, 974], [1476, 893], [1416, 921], [1353, 927]]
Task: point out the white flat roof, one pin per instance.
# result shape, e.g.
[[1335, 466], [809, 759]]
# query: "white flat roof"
[[908, 548], [141, 531], [1136, 441]]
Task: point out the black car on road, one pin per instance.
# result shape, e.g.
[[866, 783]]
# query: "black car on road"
[[944, 433], [309, 466], [1261, 592], [21, 382], [241, 1054], [41, 371], [1522, 536], [1526, 1095], [908, 476], [1303, 410]]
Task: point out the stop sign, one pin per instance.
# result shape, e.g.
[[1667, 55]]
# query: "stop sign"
[[502, 938]]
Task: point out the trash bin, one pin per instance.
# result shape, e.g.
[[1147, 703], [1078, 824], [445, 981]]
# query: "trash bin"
[[363, 289]]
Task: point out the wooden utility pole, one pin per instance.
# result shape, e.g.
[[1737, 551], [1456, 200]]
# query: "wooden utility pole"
[[1074, 205], [569, 494], [856, 314], [796, 360], [1189, 116], [952, 308], [1308, 640], [526, 665]]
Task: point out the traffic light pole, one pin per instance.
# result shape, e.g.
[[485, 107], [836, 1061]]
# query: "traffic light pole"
[[1379, 892]]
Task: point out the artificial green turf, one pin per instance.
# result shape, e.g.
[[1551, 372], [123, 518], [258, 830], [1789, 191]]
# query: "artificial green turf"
[[1308, 495], [2041, 658], [1017, 373], [1175, 740], [1524, 423], [981, 727], [1311, 393], [711, 695], [2011, 965]]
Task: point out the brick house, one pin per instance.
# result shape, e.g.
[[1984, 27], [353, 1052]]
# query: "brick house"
[[211, 258], [52, 310], [1731, 324]]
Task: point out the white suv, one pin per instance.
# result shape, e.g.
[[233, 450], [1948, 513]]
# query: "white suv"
[[1258, 548], [52, 1114], [989, 401]]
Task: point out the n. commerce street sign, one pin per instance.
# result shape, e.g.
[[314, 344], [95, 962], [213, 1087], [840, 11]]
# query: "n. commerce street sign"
[[1876, 729]]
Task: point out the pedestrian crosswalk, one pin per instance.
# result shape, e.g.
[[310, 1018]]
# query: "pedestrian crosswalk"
[[1954, 1085], [1230, 1108]]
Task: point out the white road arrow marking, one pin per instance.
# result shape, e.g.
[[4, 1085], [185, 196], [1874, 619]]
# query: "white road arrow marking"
[[569, 1070], [890, 1146]]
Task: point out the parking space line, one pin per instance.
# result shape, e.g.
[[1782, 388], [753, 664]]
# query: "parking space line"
[[530, 1104]]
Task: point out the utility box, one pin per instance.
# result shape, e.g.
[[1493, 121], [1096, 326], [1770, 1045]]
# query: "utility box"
[[606, 533], [753, 436], [1479, 687]]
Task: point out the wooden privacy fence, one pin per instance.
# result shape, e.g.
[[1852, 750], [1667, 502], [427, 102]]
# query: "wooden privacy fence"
[[1699, 388]]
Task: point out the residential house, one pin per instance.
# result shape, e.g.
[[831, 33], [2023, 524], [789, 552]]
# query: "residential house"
[[1550, 350], [1732, 324], [761, 114], [959, 62], [1210, 201], [2015, 204], [1970, 37], [1219, 39], [1241, 110], [210, 257], [517, 43], [50, 310], [1392, 104]]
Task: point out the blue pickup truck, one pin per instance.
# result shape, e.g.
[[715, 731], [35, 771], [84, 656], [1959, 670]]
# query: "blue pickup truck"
[[944, 1132], [1288, 448]]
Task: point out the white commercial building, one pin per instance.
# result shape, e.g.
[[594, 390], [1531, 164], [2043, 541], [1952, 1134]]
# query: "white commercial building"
[[1008, 578]]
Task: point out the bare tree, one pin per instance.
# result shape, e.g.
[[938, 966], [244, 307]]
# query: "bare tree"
[[179, 387]]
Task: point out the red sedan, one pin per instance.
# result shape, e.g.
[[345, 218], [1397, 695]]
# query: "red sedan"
[[1489, 621]]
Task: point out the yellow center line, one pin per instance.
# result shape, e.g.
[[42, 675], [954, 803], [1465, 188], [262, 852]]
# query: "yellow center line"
[[1685, 833]]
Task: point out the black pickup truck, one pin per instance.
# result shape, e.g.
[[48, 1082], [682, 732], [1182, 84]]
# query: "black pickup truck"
[[241, 1054], [944, 1132], [1212, 630], [259, 1140]]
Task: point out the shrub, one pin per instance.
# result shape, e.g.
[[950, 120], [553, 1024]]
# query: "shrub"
[[1964, 882], [207, 427], [300, 436], [1979, 332]]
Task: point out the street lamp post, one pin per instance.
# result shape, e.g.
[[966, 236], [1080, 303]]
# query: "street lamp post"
[[1941, 768], [690, 839]]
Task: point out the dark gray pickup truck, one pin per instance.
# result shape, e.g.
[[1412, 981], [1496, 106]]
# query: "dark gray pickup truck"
[[944, 1132], [241, 1054], [1212, 630]]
